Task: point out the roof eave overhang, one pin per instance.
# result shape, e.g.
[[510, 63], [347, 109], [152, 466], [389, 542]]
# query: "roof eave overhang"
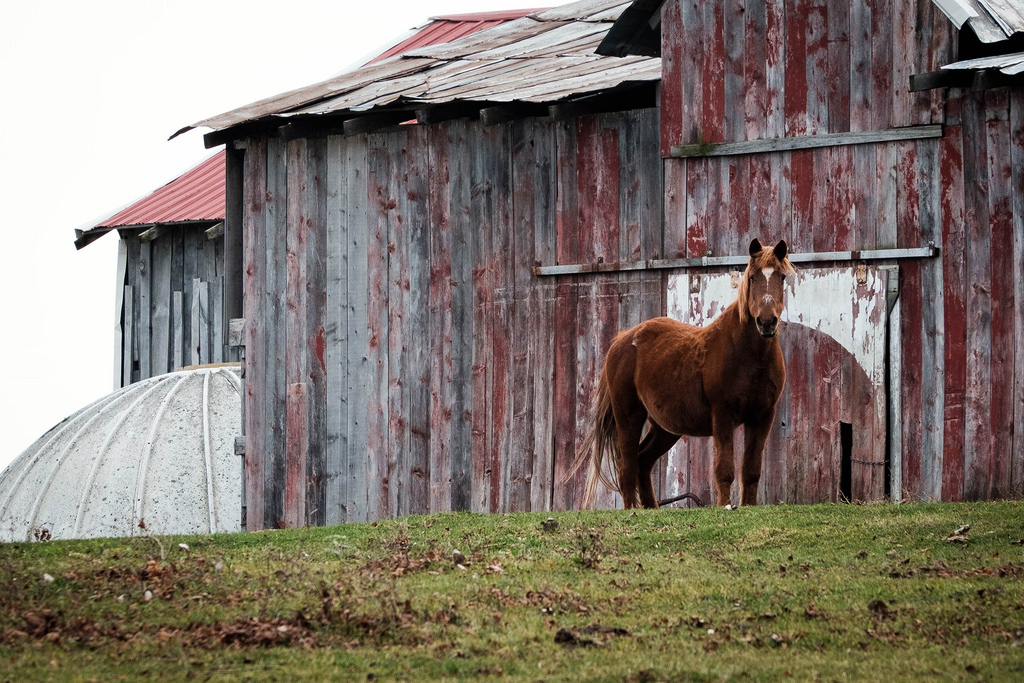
[[637, 94], [84, 238]]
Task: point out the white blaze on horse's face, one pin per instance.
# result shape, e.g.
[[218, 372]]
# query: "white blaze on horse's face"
[[766, 300]]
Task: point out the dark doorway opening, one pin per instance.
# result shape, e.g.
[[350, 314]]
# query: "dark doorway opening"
[[846, 461]]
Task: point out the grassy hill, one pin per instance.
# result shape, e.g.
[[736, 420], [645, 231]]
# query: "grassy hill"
[[826, 592]]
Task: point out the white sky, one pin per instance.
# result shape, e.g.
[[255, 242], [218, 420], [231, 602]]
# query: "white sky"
[[90, 92]]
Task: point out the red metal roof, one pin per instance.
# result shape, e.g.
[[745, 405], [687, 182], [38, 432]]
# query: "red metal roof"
[[449, 27], [197, 195]]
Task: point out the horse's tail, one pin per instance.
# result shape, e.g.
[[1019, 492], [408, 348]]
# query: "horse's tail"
[[599, 441]]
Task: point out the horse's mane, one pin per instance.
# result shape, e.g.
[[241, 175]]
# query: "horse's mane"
[[766, 259]]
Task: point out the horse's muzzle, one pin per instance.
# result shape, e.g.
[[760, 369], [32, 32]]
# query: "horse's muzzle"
[[767, 329]]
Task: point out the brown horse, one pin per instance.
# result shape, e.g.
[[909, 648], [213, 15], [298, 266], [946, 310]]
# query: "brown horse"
[[697, 381]]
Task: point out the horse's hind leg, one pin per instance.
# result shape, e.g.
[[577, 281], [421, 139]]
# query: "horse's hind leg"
[[630, 425], [655, 444], [628, 412]]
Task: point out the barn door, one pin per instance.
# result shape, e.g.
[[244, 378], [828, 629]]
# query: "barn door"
[[829, 438]]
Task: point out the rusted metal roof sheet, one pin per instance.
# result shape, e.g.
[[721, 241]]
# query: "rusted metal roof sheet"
[[991, 20], [546, 56], [449, 27]]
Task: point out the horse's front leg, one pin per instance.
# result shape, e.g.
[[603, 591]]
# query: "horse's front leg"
[[754, 436], [725, 468]]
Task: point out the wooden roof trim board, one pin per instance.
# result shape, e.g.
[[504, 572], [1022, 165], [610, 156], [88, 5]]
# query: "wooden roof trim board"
[[551, 50]]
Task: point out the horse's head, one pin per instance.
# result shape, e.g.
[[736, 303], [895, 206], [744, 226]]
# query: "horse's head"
[[762, 293]]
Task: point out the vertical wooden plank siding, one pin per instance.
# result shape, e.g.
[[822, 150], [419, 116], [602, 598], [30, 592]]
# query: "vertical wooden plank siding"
[[498, 169], [439, 336], [416, 374], [354, 241], [161, 303], [1017, 193], [399, 378], [335, 339], [568, 413], [978, 400], [273, 370], [462, 226], [315, 332], [253, 288], [954, 268], [294, 336], [1000, 202], [144, 326], [378, 447], [128, 338]]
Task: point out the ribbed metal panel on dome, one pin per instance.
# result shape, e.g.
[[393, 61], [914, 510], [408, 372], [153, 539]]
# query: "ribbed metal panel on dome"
[[160, 452]]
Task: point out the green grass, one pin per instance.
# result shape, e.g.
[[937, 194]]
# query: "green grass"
[[827, 592]]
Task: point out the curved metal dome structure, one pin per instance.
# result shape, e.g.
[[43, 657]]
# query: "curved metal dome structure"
[[155, 457]]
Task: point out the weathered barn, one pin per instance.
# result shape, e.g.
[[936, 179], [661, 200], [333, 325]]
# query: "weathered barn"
[[438, 247]]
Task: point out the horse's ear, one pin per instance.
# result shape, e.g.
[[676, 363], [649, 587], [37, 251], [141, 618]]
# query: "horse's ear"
[[755, 247], [781, 250]]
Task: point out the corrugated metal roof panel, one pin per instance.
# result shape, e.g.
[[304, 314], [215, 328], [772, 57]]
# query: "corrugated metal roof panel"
[[991, 20], [446, 28], [194, 196], [546, 56], [1010, 65]]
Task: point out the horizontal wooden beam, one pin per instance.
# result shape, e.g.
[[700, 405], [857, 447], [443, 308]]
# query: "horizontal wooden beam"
[[717, 149], [447, 112], [626, 96], [940, 79], [216, 231], [503, 113], [252, 129], [151, 234], [372, 122], [973, 79], [716, 261]]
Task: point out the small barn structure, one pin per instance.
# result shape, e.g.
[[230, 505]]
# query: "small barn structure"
[[437, 249], [171, 275]]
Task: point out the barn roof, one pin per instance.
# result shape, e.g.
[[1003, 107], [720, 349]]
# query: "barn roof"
[[195, 196], [546, 57], [199, 195], [448, 27]]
